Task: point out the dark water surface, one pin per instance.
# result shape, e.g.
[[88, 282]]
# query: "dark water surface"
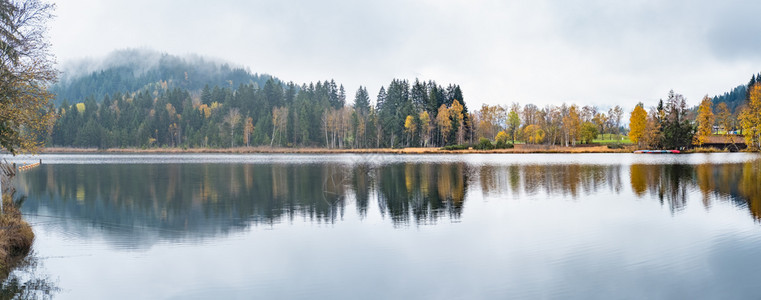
[[397, 227]]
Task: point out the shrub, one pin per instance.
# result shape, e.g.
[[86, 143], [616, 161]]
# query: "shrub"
[[455, 147], [484, 144], [615, 146], [504, 145], [16, 236]]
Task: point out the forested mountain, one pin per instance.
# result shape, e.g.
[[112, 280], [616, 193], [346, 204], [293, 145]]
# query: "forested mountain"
[[737, 96], [734, 98], [167, 101], [128, 71], [159, 100]]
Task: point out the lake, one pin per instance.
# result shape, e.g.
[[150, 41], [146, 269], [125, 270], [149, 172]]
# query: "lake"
[[395, 226]]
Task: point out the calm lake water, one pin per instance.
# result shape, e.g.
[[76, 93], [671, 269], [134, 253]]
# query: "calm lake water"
[[396, 227]]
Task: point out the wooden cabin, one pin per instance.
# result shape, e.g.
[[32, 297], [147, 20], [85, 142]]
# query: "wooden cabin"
[[731, 142]]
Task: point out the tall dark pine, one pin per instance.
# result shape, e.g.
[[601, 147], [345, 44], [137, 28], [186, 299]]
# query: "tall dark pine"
[[381, 99], [753, 80], [341, 96], [677, 129], [362, 102], [419, 95], [334, 97], [206, 95]]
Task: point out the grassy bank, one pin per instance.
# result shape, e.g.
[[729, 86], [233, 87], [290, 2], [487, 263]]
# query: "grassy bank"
[[16, 237], [520, 148]]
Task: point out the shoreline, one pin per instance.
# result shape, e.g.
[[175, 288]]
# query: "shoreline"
[[519, 149], [16, 237]]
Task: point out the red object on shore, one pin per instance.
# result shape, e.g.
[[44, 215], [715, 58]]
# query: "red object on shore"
[[658, 151]]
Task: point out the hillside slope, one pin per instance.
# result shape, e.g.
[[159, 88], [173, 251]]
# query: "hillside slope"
[[129, 71]]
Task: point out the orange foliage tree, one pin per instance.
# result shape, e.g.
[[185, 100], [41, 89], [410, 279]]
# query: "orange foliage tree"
[[750, 118], [705, 121], [637, 123]]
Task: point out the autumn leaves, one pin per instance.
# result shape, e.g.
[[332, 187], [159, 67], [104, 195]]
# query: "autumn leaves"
[[667, 126], [750, 118]]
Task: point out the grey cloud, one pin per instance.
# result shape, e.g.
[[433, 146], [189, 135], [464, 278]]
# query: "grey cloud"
[[735, 30], [499, 51]]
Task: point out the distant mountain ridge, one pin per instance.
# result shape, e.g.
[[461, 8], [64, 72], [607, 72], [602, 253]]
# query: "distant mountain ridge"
[[132, 70], [734, 98], [737, 96]]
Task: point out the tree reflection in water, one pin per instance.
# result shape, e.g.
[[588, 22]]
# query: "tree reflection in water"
[[197, 200], [216, 198], [421, 192], [564, 180], [739, 183], [26, 281]]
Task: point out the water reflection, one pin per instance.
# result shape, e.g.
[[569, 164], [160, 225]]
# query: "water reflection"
[[136, 201], [28, 281], [573, 181], [204, 198], [739, 183], [668, 183], [207, 199], [421, 192]]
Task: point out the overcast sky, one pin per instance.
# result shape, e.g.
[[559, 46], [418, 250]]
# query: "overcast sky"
[[543, 52]]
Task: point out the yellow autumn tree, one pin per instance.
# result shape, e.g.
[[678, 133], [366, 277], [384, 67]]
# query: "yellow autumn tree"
[[425, 128], [651, 134], [444, 122], [572, 125], [248, 129], [637, 123], [723, 117], [458, 120], [534, 134], [205, 110], [705, 121], [501, 136], [409, 128], [750, 118]]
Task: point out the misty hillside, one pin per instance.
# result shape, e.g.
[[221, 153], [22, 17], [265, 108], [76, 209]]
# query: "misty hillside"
[[128, 71]]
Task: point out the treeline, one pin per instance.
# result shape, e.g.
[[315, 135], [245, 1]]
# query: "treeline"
[[275, 114], [565, 125], [671, 125], [668, 125]]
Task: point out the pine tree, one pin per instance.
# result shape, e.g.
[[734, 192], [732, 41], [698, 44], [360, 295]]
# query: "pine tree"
[[206, 95], [362, 102], [677, 130], [341, 96], [381, 98]]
